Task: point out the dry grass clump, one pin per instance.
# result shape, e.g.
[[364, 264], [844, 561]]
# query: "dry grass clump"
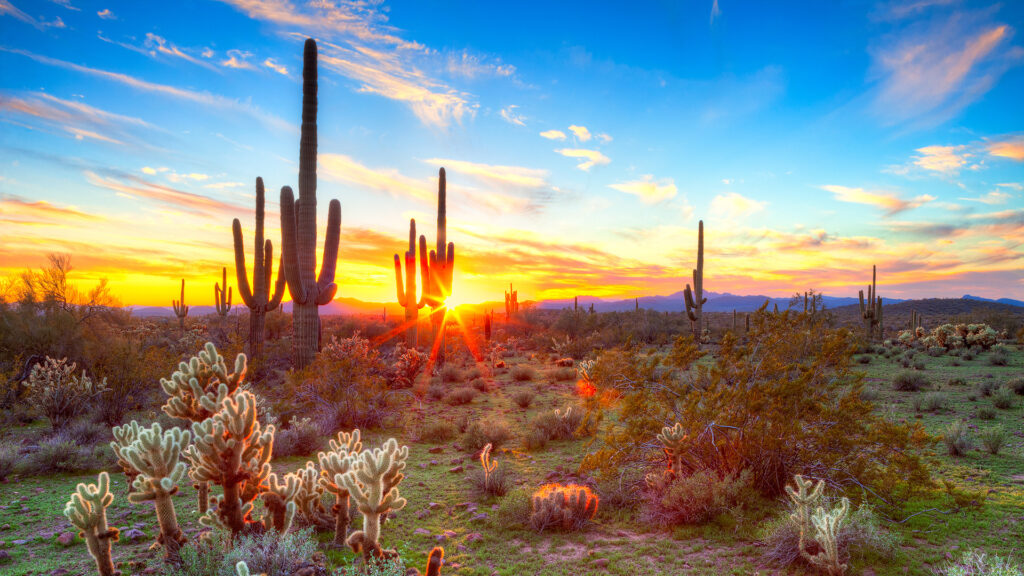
[[521, 373], [461, 395], [523, 398], [491, 430]]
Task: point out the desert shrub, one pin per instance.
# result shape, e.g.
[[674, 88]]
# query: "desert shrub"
[[957, 382], [869, 395], [954, 362], [514, 509], [479, 384], [1017, 385], [558, 424], [935, 401], [302, 437], [562, 507], [563, 374], [436, 390], [523, 398], [910, 382], [905, 362], [521, 373], [345, 386], [919, 364], [1003, 398], [977, 563], [699, 497], [987, 387], [269, 553], [497, 483], [971, 396], [535, 439], [785, 400], [437, 431], [864, 359], [957, 438], [936, 351], [480, 433], [999, 356], [61, 454], [993, 439], [406, 366], [8, 458], [451, 373], [85, 432], [59, 394], [967, 355], [461, 395], [986, 412], [474, 373], [860, 534]]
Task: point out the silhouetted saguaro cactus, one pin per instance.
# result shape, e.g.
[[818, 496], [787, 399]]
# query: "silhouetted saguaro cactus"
[[298, 230], [258, 297], [695, 299], [180, 310], [440, 266], [871, 311], [511, 302], [222, 296], [407, 291]]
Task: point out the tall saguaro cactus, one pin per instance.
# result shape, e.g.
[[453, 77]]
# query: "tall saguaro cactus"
[[871, 311], [180, 310], [695, 299], [511, 302], [222, 296], [298, 229], [407, 292], [258, 297], [440, 266]]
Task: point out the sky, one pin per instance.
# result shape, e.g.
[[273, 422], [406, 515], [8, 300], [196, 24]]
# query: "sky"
[[582, 142]]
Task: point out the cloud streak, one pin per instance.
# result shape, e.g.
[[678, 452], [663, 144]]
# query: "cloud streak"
[[588, 158], [649, 190], [889, 202]]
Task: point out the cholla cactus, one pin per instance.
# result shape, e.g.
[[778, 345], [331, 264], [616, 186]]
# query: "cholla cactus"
[[338, 461], [805, 497], [308, 505], [232, 450], [434, 562], [87, 511], [568, 507], [490, 466], [58, 393], [673, 440], [242, 569], [154, 455], [279, 499], [124, 436], [373, 484], [827, 526]]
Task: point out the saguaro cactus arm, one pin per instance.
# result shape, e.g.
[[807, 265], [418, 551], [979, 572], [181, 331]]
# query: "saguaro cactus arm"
[[87, 511], [222, 296]]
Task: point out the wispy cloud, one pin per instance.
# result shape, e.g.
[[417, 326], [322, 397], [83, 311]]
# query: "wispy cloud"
[[239, 60], [649, 190], [928, 72], [470, 65], [17, 210], [159, 45], [589, 158], [732, 206], [106, 14], [715, 12], [280, 69], [553, 134], [496, 176], [944, 159], [76, 119], [6, 8], [178, 200], [580, 132], [202, 98], [992, 198], [510, 115], [342, 168], [1012, 148], [889, 202]]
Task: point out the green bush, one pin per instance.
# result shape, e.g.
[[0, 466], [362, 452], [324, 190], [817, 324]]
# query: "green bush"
[[268, 553], [986, 412], [910, 382], [8, 458], [514, 509], [479, 384], [490, 430], [522, 373], [302, 437], [436, 431], [523, 398], [1003, 398], [935, 401], [62, 454], [451, 373], [999, 357], [957, 382], [1017, 385], [563, 374], [993, 439], [957, 439], [860, 534], [436, 390], [700, 497], [460, 396], [977, 563]]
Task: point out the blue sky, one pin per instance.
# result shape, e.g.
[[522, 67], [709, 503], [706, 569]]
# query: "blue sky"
[[582, 142]]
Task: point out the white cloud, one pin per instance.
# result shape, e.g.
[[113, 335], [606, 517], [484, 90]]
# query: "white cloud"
[[992, 198], [590, 158], [649, 190], [553, 134], [510, 116], [944, 159], [604, 138], [106, 14], [269, 63], [238, 59], [581, 132], [733, 206], [890, 202]]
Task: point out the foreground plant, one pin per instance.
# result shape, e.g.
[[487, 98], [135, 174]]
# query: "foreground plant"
[[87, 511], [827, 525], [565, 507], [373, 484], [334, 464]]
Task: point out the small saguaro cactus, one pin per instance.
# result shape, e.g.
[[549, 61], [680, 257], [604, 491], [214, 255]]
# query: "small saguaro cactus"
[[695, 299], [367, 484], [827, 525], [233, 451], [222, 296], [258, 298], [407, 290], [871, 311], [87, 511], [342, 458], [180, 310], [511, 302], [154, 454], [915, 320], [298, 229]]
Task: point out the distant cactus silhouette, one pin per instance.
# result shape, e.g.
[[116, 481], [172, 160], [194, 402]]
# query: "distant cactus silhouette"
[[511, 302], [258, 298], [180, 310], [871, 311], [440, 266], [222, 296], [695, 299], [87, 511], [407, 290], [298, 230]]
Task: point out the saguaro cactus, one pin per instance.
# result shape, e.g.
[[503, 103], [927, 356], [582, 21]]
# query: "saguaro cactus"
[[871, 311], [298, 230], [154, 454], [222, 296], [440, 266], [87, 511], [367, 484], [695, 299], [407, 291], [258, 298], [511, 302], [180, 310]]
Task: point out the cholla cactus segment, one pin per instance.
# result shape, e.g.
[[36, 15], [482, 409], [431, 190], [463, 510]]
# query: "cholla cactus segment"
[[673, 439], [489, 465], [568, 507], [805, 496], [279, 499], [347, 442], [199, 387], [242, 569], [87, 511], [308, 497], [58, 393], [373, 485], [340, 460], [827, 525], [124, 436], [232, 450]]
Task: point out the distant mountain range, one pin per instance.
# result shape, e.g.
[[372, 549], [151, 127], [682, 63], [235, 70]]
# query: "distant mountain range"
[[717, 302]]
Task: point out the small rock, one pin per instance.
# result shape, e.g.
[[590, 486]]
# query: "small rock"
[[132, 534], [436, 450], [601, 562], [421, 532], [433, 505], [478, 517], [473, 537], [456, 461], [4, 556], [66, 539], [456, 470], [19, 542]]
